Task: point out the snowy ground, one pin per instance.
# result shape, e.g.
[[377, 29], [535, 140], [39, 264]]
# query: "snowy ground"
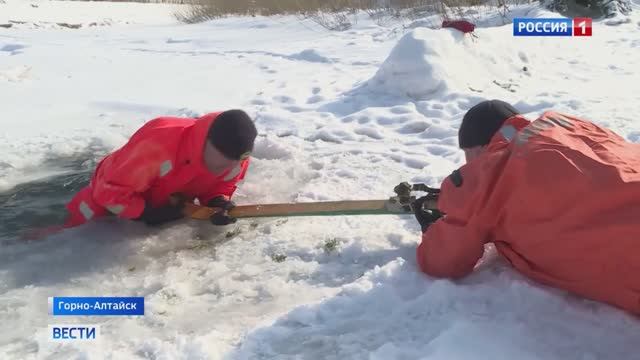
[[341, 116]]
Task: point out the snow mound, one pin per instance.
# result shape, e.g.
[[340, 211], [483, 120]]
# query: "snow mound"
[[310, 55], [418, 64], [427, 63]]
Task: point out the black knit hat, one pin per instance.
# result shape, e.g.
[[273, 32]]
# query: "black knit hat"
[[482, 121], [233, 133]]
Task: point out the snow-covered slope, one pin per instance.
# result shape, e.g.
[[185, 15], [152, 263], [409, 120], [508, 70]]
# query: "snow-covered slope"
[[341, 116]]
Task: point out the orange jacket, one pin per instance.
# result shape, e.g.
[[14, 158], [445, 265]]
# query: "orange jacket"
[[163, 157], [560, 199]]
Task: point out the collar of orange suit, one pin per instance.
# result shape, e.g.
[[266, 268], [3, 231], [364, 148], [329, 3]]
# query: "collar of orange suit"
[[518, 122], [193, 141]]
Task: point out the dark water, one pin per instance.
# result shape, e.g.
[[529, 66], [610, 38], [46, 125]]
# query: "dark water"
[[41, 203]]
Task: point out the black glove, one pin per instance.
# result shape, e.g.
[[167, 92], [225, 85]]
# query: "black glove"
[[222, 217], [424, 216], [163, 214]]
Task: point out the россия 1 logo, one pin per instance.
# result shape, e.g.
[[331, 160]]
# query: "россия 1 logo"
[[552, 27]]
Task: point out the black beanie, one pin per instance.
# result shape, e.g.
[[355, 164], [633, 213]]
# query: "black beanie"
[[233, 133], [482, 121]]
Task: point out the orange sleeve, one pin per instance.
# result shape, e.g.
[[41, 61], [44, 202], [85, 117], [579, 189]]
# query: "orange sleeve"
[[452, 245], [450, 248]]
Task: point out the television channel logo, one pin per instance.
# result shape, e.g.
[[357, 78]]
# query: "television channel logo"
[[73, 332], [552, 27]]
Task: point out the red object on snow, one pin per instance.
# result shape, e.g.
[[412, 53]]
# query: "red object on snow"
[[461, 25]]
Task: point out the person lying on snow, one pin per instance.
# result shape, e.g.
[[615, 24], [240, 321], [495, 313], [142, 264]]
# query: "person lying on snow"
[[559, 197], [201, 158]]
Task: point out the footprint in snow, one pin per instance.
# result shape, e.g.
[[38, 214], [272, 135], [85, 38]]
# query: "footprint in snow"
[[316, 165], [523, 57], [432, 113], [415, 127], [415, 163], [428, 109], [284, 99], [258, 102], [13, 49], [346, 174], [294, 109], [369, 132], [399, 110], [385, 121], [395, 157], [439, 150], [315, 99], [345, 135], [438, 132]]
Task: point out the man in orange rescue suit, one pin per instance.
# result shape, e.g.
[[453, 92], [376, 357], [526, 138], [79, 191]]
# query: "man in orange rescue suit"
[[201, 158], [559, 197]]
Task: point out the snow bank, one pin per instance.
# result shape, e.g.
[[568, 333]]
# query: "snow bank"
[[392, 313], [416, 66], [429, 63]]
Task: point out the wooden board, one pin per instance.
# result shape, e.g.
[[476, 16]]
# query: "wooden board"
[[324, 208]]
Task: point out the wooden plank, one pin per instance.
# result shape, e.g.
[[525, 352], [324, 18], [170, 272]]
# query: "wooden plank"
[[326, 208]]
